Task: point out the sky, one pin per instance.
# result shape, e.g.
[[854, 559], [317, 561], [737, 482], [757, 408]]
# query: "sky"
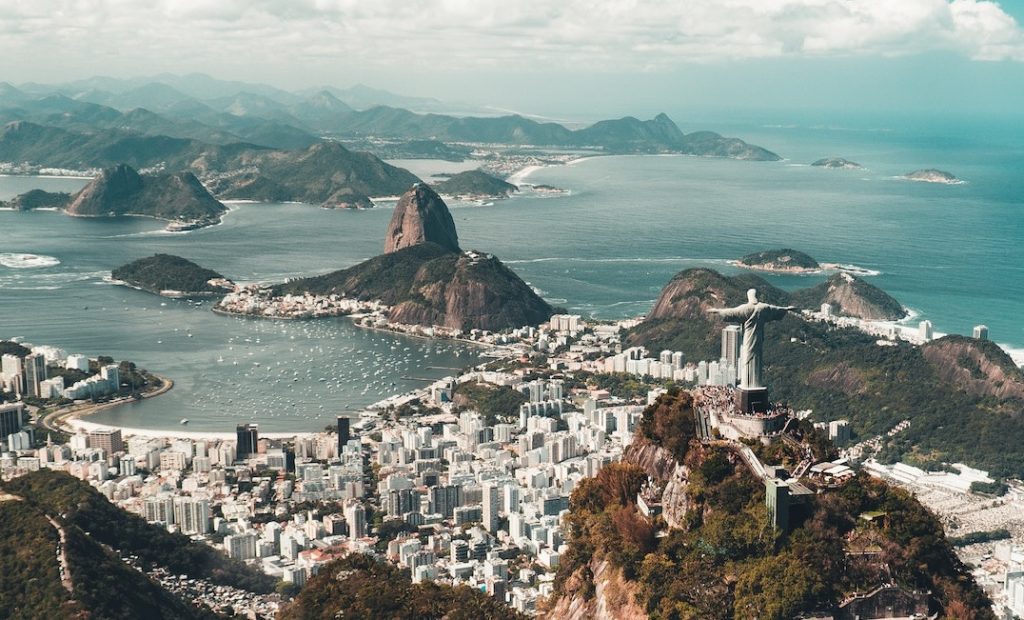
[[558, 57]]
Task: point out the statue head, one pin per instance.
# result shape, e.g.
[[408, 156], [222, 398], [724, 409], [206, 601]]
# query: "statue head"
[[752, 295]]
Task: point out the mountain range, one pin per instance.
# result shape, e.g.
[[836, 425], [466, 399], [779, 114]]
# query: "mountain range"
[[217, 112], [65, 549]]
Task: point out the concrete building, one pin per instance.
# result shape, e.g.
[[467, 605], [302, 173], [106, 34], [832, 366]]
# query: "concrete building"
[[924, 331], [241, 546], [35, 373], [732, 336], [192, 515], [344, 433], [51, 388], [247, 440], [106, 439], [491, 506], [77, 362], [355, 515], [980, 332], [12, 418]]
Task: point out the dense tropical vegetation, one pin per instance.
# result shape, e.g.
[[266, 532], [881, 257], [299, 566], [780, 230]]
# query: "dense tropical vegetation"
[[360, 587], [726, 561]]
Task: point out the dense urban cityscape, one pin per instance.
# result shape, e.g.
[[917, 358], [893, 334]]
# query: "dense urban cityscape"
[[451, 493]]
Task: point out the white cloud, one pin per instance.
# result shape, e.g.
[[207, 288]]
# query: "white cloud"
[[465, 34]]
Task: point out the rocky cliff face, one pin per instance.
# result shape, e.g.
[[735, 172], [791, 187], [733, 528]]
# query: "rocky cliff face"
[[692, 292], [614, 596], [680, 320], [978, 367], [121, 190], [426, 284], [111, 191], [659, 465], [851, 296], [472, 292], [421, 217]]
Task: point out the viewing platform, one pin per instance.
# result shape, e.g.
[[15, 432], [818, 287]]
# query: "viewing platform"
[[716, 407]]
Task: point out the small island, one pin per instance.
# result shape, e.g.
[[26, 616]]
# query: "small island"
[[172, 276], [475, 184], [931, 175], [837, 163], [780, 261]]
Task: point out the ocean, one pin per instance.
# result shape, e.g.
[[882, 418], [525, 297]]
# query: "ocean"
[[951, 253]]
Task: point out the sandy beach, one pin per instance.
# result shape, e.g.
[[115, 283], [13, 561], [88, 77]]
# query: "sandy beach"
[[77, 424]]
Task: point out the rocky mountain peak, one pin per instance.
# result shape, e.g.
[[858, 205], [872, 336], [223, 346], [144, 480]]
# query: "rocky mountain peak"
[[421, 217], [108, 191]]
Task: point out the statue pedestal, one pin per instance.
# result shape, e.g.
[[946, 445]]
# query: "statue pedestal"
[[752, 400]]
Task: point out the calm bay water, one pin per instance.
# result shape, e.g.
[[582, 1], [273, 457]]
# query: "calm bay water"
[[951, 253]]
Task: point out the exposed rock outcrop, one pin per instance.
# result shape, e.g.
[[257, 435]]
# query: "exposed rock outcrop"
[[660, 465], [931, 175], [427, 280], [978, 367], [614, 596], [851, 296], [690, 293], [837, 163], [421, 217], [784, 261]]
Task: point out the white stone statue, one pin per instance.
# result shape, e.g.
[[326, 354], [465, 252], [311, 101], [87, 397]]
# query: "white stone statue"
[[752, 316]]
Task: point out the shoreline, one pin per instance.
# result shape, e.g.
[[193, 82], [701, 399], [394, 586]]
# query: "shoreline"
[[822, 269], [520, 176], [131, 431], [398, 328], [72, 420], [49, 176], [64, 418]]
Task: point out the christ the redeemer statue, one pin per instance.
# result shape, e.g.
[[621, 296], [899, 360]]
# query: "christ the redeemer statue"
[[752, 315]]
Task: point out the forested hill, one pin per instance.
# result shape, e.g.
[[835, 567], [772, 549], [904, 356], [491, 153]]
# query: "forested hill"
[[963, 397], [713, 553], [96, 531], [360, 586]]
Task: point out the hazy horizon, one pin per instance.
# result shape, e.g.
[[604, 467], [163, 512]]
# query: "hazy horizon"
[[578, 60]]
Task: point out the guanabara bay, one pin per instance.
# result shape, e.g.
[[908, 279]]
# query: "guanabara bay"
[[580, 310]]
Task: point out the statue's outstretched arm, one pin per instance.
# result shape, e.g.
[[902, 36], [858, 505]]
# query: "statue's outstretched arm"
[[777, 312], [739, 313]]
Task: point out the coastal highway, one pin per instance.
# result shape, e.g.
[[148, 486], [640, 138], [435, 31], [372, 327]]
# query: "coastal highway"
[[54, 420]]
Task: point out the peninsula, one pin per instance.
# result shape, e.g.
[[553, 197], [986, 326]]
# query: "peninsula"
[[424, 278], [475, 184]]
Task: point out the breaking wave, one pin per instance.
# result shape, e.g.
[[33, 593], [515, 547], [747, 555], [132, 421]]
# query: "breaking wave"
[[27, 261]]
